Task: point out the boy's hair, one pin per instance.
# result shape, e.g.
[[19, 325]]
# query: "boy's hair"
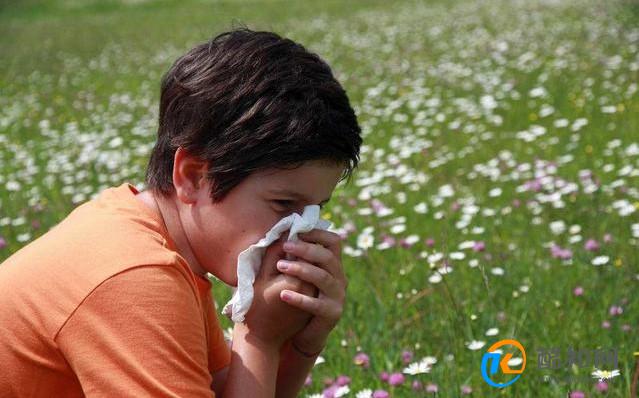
[[249, 100]]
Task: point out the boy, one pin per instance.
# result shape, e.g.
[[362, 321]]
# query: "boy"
[[114, 300]]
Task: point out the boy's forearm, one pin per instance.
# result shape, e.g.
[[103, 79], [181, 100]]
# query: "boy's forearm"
[[292, 372], [253, 370]]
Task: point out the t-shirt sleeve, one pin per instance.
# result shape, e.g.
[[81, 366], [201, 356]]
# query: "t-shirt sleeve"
[[139, 333]]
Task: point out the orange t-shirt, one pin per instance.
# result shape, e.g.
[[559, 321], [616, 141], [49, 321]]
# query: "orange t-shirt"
[[103, 305]]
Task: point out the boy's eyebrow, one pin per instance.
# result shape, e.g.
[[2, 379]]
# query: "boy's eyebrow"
[[296, 195]]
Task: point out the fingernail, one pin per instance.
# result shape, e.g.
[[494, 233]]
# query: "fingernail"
[[282, 265], [286, 296], [289, 245]]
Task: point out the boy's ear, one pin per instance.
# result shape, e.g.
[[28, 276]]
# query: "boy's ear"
[[189, 173]]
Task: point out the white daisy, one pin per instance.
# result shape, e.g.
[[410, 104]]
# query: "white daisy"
[[412, 239], [457, 256], [557, 227], [423, 366], [605, 374], [600, 260], [492, 332], [365, 241], [341, 391], [475, 345], [366, 393], [468, 244], [515, 361], [429, 360]]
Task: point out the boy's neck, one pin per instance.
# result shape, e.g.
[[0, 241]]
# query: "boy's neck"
[[167, 209]]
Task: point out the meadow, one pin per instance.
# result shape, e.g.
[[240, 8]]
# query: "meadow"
[[497, 195]]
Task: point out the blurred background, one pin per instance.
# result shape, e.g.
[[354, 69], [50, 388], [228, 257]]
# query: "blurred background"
[[498, 192]]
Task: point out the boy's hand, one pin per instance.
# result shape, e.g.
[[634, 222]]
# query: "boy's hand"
[[318, 262], [269, 320]]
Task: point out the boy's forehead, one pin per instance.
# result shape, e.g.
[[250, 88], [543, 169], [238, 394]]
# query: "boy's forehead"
[[305, 174], [305, 183]]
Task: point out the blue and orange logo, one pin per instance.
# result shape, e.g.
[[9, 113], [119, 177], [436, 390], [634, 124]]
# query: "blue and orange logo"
[[502, 362]]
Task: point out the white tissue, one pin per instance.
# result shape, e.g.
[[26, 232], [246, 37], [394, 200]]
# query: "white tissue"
[[249, 261]]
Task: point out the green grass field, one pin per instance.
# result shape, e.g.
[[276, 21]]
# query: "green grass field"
[[497, 196]]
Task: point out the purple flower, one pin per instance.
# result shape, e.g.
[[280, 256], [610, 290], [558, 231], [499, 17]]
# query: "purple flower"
[[591, 245], [361, 359], [388, 240], [602, 386], [577, 394], [342, 380], [330, 391], [578, 291], [35, 224], [396, 379], [615, 310], [626, 327], [607, 238], [417, 385], [430, 242], [308, 380], [479, 246], [376, 204], [533, 185], [3, 243], [465, 390], [431, 387], [407, 356], [558, 252], [380, 394], [605, 325], [384, 376]]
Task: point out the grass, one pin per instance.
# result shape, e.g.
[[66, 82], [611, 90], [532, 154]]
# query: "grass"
[[463, 104]]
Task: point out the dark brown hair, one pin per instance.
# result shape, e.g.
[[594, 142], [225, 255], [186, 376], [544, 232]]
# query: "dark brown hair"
[[249, 100]]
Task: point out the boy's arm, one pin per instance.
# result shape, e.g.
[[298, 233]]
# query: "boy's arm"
[[293, 370], [252, 372]]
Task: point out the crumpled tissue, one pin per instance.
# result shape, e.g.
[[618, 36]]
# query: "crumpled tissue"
[[249, 261]]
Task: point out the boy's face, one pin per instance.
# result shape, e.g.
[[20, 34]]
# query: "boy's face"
[[218, 232]]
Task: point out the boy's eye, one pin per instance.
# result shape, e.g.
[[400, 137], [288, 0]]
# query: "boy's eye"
[[287, 203]]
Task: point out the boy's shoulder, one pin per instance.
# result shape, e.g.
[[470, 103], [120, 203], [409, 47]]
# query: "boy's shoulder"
[[101, 238]]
